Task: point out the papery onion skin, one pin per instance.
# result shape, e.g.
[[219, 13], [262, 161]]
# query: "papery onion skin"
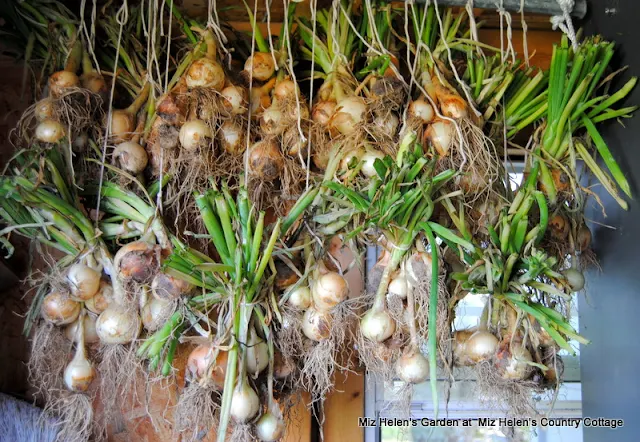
[[205, 73], [260, 66], [377, 326], [265, 160], [300, 297], [413, 367], [167, 287], [59, 309], [269, 428], [101, 299], [583, 241], [559, 227], [155, 313], [137, 261], [194, 134], [61, 81], [232, 137], [245, 404], [117, 325], [480, 346], [131, 157], [83, 281], [316, 325], [49, 131], [282, 368], [90, 334], [517, 366], [575, 279], [329, 290]]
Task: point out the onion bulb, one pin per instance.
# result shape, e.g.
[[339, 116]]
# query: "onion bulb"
[[575, 279], [328, 291], [377, 326], [413, 367], [231, 136], [260, 66], [137, 261], [123, 124], [84, 282], [559, 226], [584, 238], [193, 134], [90, 334], [79, 374], [265, 160], [285, 89], [282, 368], [245, 403], [101, 299], [49, 131], [440, 134], [350, 112], [165, 286], [452, 105], [203, 368], [60, 81], [480, 346], [421, 110], [58, 309], [269, 428], [271, 120], [316, 325], [257, 354], [156, 312], [44, 109], [300, 297], [387, 124], [369, 158], [398, 287], [205, 73], [234, 99], [323, 111], [131, 157], [94, 82], [460, 338], [117, 325], [351, 158], [517, 367]]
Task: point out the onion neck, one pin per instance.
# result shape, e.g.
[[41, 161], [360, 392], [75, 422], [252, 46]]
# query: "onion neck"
[[379, 303]]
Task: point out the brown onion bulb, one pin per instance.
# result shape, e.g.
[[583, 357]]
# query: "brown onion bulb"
[[59, 309], [517, 366], [123, 124], [194, 134], [137, 261], [166, 286], [61, 81], [265, 160], [316, 325], [286, 90], [94, 82]]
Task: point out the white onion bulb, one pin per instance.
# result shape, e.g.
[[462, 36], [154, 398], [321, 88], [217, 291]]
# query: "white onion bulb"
[[49, 131], [84, 282], [234, 100], [369, 158], [90, 334], [232, 137], [398, 287], [260, 65], [300, 297], [323, 111], [329, 290], [350, 112], [245, 403], [352, 157], [422, 110], [58, 309], [518, 366], [205, 73], [131, 157], [271, 120], [117, 325], [413, 367], [387, 124], [257, 354], [377, 326], [193, 134], [156, 312], [440, 134], [575, 279], [270, 428], [316, 325], [480, 346], [79, 374], [285, 89]]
